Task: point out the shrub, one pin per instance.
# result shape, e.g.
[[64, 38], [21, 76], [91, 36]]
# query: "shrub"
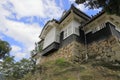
[[61, 62]]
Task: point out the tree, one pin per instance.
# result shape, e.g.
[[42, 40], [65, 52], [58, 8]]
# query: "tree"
[[4, 49], [22, 67], [110, 6], [15, 70], [36, 50], [6, 67]]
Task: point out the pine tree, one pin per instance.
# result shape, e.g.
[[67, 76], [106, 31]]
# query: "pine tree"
[[110, 6]]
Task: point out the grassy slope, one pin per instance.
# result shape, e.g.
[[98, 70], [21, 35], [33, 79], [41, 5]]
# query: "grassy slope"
[[63, 70]]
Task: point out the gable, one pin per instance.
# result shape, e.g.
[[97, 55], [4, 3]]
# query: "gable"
[[99, 20], [48, 26]]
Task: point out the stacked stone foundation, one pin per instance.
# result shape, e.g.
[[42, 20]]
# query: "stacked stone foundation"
[[107, 49], [65, 52]]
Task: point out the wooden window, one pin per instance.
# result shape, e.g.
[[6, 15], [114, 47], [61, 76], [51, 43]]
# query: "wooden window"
[[68, 31]]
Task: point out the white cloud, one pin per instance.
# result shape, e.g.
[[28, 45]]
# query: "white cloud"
[[16, 48], [26, 34], [80, 6], [18, 53], [41, 8]]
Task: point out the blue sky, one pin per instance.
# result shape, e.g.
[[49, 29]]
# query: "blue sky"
[[21, 21]]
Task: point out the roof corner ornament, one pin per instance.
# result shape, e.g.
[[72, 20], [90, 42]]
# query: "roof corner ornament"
[[64, 12]]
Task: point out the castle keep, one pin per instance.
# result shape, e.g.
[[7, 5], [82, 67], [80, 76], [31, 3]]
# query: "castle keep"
[[77, 34]]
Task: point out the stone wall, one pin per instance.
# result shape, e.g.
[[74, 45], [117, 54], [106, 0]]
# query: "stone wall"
[[65, 52], [108, 49]]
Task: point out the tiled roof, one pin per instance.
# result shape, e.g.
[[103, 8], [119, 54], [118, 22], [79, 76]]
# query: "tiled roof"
[[75, 10], [94, 17]]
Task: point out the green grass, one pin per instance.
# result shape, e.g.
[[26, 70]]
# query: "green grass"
[[62, 69], [62, 62]]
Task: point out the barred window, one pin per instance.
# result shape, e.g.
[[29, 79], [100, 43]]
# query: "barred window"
[[68, 31]]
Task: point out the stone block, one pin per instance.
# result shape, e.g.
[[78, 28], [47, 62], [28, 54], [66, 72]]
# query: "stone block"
[[115, 48], [98, 58], [117, 55], [113, 42]]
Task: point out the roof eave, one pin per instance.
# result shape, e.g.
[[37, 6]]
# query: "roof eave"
[[95, 17]]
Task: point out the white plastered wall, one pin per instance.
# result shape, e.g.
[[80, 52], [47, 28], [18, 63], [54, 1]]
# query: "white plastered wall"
[[52, 36], [71, 28]]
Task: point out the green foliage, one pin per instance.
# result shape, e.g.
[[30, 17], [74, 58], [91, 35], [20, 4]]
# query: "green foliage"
[[37, 49], [29, 76], [61, 62], [109, 65], [7, 66], [113, 7], [52, 71], [40, 49], [23, 67], [16, 70], [87, 77], [4, 49], [2, 77], [110, 6]]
